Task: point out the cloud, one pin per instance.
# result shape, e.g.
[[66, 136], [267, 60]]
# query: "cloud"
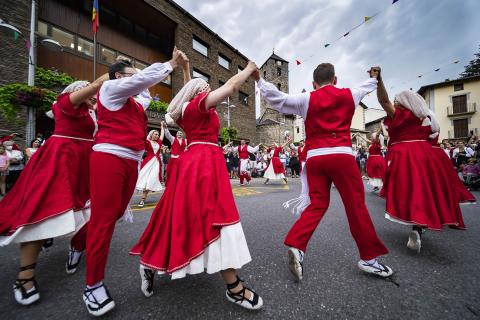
[[407, 39]]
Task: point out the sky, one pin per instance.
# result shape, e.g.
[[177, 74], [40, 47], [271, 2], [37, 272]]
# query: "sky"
[[409, 38]]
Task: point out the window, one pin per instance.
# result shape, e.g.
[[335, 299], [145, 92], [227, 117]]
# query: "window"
[[460, 128], [279, 72], [264, 74], [140, 65], [459, 104], [224, 61], [42, 28], [168, 80], [221, 83], [279, 63], [64, 38], [198, 74], [243, 97], [200, 47], [298, 130], [279, 86], [240, 69], [85, 47], [458, 87], [107, 56]]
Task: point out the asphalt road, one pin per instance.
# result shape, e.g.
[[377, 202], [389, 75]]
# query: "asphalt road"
[[442, 282]]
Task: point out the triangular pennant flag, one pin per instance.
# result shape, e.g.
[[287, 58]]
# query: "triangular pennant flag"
[[437, 70], [303, 91], [367, 18], [15, 35], [394, 1], [298, 62], [420, 76], [346, 34], [455, 62], [326, 45]]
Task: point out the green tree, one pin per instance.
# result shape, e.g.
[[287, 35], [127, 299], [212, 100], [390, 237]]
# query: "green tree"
[[473, 68]]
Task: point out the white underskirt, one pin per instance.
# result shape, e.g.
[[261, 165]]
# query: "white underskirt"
[[62, 225], [375, 182], [393, 219], [230, 251], [148, 178], [270, 174]]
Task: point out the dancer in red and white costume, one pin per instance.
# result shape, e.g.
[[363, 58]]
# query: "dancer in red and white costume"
[[243, 150], [275, 169], [196, 226], [328, 113], [411, 187], [50, 197], [302, 153], [376, 163], [178, 145], [150, 175], [119, 147]]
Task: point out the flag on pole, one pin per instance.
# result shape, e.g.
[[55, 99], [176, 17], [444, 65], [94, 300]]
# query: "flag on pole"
[[298, 62], [95, 21]]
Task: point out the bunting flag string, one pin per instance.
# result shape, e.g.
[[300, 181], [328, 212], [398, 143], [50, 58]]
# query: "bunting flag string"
[[344, 35], [432, 70]]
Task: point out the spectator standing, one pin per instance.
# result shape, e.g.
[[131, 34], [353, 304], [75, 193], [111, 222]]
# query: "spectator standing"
[[4, 162], [16, 163], [461, 154], [33, 148]]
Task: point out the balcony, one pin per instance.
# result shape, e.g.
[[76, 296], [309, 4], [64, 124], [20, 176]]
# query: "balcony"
[[468, 109]]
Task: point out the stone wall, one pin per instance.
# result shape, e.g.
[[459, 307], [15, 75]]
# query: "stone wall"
[[14, 59]]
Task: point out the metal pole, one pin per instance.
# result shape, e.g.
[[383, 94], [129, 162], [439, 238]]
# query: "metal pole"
[[228, 117], [94, 56], [30, 130]]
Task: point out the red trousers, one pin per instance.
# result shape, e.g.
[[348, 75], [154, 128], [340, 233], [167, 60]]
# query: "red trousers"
[[112, 183], [342, 170], [79, 240]]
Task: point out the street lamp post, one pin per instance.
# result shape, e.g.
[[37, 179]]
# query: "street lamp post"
[[228, 105]]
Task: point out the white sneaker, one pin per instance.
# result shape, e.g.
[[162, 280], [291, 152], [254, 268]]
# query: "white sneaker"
[[295, 262], [414, 241], [375, 268], [95, 307], [73, 260], [25, 297], [147, 276]]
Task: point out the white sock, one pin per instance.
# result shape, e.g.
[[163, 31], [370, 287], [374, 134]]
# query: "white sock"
[[99, 293], [373, 262], [76, 256]]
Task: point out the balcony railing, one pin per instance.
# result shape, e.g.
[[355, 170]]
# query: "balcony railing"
[[470, 108]]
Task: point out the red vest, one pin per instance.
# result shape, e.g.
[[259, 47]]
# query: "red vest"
[[178, 148], [126, 127], [302, 154], [329, 117], [243, 152]]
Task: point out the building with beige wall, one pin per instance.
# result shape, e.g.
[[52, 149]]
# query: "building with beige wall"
[[455, 104]]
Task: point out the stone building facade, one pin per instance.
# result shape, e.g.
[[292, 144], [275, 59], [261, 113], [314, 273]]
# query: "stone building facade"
[[272, 125], [171, 26]]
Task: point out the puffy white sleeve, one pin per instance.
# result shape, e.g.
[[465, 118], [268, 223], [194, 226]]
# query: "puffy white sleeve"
[[169, 136], [252, 149], [362, 90], [285, 103]]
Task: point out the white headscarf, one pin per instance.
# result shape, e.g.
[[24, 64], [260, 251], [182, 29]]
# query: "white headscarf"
[[187, 93], [415, 103], [434, 124], [150, 134], [74, 86]]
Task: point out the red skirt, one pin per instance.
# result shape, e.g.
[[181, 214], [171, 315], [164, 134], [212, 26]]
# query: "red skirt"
[[196, 204], [445, 166], [171, 168], [54, 181], [376, 167], [417, 190], [277, 165]]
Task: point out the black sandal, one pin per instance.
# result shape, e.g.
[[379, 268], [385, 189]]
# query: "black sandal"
[[22, 296], [93, 306], [239, 297]]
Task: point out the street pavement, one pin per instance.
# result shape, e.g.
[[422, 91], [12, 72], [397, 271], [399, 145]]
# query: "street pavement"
[[442, 282]]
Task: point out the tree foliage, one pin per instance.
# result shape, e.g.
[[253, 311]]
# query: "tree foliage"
[[473, 67]]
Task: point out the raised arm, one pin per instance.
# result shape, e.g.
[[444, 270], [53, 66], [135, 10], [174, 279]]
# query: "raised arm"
[[77, 97], [359, 92], [382, 95], [289, 140], [162, 133], [229, 88], [285, 103], [168, 135], [186, 72], [253, 149]]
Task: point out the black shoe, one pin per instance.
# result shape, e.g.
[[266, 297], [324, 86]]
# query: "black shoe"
[[23, 296], [240, 299], [95, 307]]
